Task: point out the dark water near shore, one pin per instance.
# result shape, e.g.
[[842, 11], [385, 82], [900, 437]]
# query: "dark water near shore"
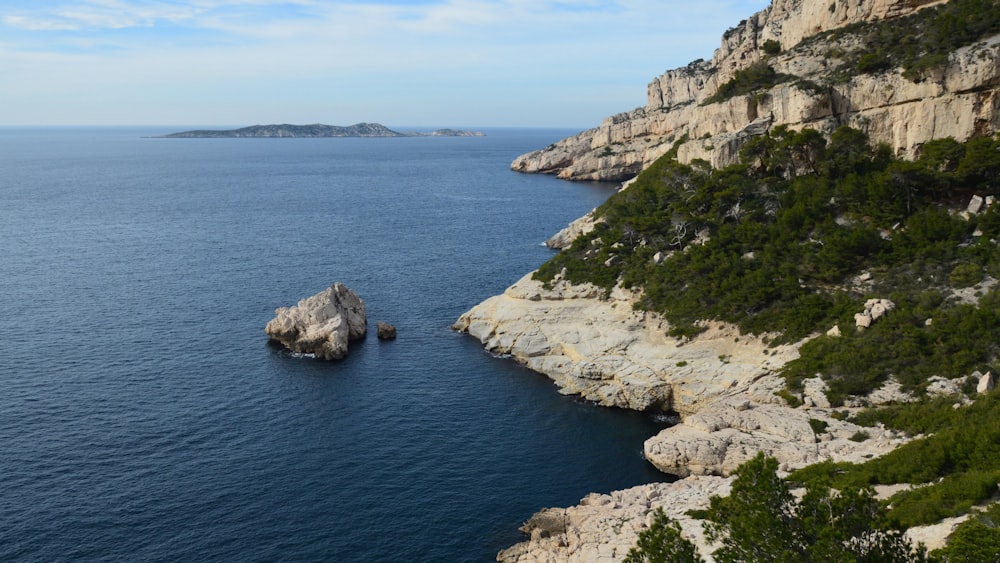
[[144, 417]]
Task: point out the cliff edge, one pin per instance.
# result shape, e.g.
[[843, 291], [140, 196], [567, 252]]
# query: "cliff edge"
[[802, 64], [799, 64]]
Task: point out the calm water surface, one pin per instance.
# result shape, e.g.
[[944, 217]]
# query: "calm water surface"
[[144, 417]]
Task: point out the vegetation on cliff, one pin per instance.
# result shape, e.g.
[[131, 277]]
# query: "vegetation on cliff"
[[838, 517], [918, 44], [793, 240], [784, 243], [761, 521], [756, 77], [954, 466]]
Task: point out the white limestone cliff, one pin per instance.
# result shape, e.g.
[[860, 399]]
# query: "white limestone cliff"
[[961, 100], [608, 353], [721, 382]]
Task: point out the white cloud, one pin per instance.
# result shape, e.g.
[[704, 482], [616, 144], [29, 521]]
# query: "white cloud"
[[39, 24], [206, 58]]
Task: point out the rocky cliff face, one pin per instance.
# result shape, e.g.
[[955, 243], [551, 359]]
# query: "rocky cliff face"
[[957, 100], [604, 351], [721, 382]]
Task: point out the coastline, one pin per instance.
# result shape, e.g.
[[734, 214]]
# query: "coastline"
[[721, 383]]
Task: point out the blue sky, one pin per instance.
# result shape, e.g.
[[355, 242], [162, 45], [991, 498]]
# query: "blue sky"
[[519, 63]]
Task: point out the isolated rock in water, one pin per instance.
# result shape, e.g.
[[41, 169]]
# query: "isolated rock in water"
[[322, 324], [386, 331]]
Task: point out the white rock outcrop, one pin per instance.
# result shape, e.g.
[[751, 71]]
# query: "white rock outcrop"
[[577, 228], [987, 382], [322, 324], [731, 431], [874, 310], [603, 527], [960, 101], [721, 382], [608, 353]]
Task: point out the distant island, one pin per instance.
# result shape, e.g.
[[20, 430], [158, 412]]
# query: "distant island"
[[315, 130]]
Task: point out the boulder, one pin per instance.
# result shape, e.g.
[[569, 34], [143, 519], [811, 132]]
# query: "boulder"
[[545, 523], [322, 324], [987, 383], [386, 331], [874, 310], [975, 204], [731, 431]]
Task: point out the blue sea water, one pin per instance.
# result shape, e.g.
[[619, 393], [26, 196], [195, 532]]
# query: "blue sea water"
[[143, 416]]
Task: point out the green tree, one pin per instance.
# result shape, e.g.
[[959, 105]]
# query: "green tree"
[[760, 521], [976, 540], [756, 522], [662, 543]]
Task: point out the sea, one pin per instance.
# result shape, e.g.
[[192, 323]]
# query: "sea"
[[144, 416]]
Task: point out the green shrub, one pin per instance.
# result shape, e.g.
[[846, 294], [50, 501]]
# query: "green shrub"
[[975, 540], [756, 77], [773, 259], [966, 275], [662, 543], [956, 463], [871, 63], [818, 426], [761, 521]]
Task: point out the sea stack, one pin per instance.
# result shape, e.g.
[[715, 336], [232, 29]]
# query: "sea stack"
[[322, 324]]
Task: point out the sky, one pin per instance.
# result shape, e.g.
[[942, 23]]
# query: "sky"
[[448, 63]]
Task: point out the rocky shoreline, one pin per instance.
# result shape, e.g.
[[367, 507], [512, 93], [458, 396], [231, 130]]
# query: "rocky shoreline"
[[721, 382]]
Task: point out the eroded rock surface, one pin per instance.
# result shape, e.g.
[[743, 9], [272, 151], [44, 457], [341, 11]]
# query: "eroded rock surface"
[[322, 324], [603, 527], [604, 351], [960, 100], [729, 432]]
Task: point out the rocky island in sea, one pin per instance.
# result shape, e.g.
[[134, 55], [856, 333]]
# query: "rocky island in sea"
[[314, 130], [805, 101], [322, 325]]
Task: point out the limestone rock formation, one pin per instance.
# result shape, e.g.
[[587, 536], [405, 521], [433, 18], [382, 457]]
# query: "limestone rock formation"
[[960, 100], [727, 433], [386, 331], [721, 382], [987, 382], [604, 351], [874, 310], [603, 527], [322, 324], [577, 228]]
